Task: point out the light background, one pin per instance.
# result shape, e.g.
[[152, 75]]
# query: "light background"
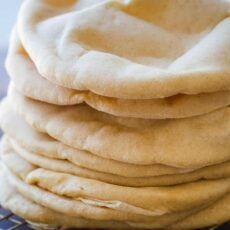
[[8, 15]]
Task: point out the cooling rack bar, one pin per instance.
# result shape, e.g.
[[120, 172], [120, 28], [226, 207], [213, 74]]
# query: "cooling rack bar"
[[9, 221]]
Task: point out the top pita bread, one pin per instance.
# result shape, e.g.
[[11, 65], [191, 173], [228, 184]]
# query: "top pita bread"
[[130, 49], [30, 83]]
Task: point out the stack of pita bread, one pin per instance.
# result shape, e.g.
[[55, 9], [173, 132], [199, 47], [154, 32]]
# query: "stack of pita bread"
[[117, 115]]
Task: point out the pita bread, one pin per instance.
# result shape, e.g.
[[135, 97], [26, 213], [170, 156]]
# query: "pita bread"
[[79, 209], [157, 199], [130, 49], [9, 197], [178, 106], [67, 206], [40, 143], [211, 172], [153, 201], [190, 143], [30, 83], [27, 209], [47, 158]]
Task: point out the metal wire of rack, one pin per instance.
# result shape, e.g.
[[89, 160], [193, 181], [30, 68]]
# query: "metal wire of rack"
[[9, 221]]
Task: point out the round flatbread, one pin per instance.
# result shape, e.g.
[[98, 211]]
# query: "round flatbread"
[[159, 200], [190, 143], [30, 83], [33, 212], [75, 208], [210, 172], [215, 214], [40, 143], [130, 49]]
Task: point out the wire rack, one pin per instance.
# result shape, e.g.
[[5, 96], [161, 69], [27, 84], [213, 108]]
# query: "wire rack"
[[9, 221]]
